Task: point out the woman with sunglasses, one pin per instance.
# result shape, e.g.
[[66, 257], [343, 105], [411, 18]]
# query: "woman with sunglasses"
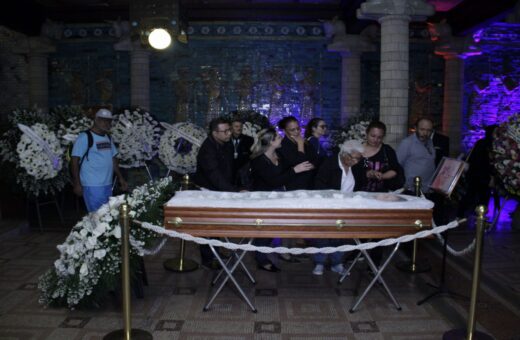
[[315, 129]]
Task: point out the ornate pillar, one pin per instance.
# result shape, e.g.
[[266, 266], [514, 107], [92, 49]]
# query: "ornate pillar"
[[140, 77], [37, 50], [350, 47], [454, 55], [394, 17], [139, 72]]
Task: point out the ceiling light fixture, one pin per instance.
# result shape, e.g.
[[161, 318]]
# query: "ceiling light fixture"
[[159, 38]]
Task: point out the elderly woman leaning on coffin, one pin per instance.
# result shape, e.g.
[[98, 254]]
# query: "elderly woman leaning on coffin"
[[339, 173], [268, 173]]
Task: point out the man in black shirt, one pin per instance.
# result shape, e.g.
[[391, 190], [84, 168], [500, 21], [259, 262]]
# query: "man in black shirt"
[[215, 170], [215, 159], [241, 148]]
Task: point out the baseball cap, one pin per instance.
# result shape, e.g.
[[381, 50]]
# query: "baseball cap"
[[104, 113]]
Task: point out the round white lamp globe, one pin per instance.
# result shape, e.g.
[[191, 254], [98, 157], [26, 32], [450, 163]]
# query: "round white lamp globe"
[[159, 38]]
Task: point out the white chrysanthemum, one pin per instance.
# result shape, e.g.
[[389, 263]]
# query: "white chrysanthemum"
[[250, 129], [358, 131], [179, 147], [137, 135], [92, 249], [40, 161], [71, 128]]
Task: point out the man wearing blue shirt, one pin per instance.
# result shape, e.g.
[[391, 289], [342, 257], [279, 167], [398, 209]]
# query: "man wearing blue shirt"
[[94, 163], [416, 154]]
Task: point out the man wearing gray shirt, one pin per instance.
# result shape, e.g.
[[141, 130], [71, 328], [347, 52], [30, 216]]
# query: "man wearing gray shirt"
[[416, 155]]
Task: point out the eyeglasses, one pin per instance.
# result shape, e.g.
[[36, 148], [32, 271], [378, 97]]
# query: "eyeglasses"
[[225, 131], [294, 129]]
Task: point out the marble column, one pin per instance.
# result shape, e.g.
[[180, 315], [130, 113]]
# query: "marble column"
[[350, 48], [394, 17], [350, 85], [139, 72], [37, 50], [140, 78], [454, 55]]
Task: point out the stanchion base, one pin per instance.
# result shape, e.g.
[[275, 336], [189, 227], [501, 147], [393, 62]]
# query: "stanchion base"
[[135, 334], [407, 266], [174, 265], [456, 334]]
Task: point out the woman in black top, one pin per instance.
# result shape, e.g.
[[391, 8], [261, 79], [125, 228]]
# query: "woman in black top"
[[382, 172], [315, 129], [381, 168], [295, 150], [269, 174]]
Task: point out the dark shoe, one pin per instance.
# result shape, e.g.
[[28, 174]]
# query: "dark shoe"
[[269, 267]]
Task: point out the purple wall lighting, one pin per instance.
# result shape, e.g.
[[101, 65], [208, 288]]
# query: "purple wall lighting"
[[492, 81]]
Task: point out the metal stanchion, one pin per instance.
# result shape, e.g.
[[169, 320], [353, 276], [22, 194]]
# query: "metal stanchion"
[[470, 333], [181, 264], [414, 266], [127, 332]]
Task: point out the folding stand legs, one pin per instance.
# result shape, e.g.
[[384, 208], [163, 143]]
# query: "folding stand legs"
[[377, 276], [229, 275]]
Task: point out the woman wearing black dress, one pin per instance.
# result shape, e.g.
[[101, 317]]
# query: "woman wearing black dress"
[[268, 173], [295, 150], [315, 129], [381, 168]]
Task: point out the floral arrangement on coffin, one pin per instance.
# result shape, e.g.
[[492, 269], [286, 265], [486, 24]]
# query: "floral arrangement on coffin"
[[506, 154], [137, 136], [179, 146], [90, 257], [33, 158]]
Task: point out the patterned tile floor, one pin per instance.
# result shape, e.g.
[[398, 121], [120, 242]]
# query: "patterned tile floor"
[[292, 304]]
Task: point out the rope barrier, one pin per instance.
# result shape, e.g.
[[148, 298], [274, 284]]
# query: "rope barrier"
[[452, 251], [294, 251], [142, 251]]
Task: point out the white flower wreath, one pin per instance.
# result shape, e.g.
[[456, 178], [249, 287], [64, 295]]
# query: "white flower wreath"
[[69, 130], [357, 131], [92, 249], [137, 136], [250, 129], [39, 151], [179, 146]]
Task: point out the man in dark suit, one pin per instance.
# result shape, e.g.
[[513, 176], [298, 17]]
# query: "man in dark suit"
[[241, 147], [441, 143], [215, 170], [215, 158]]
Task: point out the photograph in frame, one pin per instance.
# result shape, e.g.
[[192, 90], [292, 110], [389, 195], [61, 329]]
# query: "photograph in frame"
[[447, 175]]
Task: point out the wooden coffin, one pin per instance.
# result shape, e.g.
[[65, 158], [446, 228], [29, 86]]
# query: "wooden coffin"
[[211, 221]]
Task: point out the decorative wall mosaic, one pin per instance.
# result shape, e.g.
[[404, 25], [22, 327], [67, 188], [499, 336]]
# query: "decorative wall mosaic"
[[492, 81]]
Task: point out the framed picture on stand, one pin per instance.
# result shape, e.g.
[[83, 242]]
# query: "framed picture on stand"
[[447, 175]]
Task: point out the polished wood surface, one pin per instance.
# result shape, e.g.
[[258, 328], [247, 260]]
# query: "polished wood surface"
[[296, 223]]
